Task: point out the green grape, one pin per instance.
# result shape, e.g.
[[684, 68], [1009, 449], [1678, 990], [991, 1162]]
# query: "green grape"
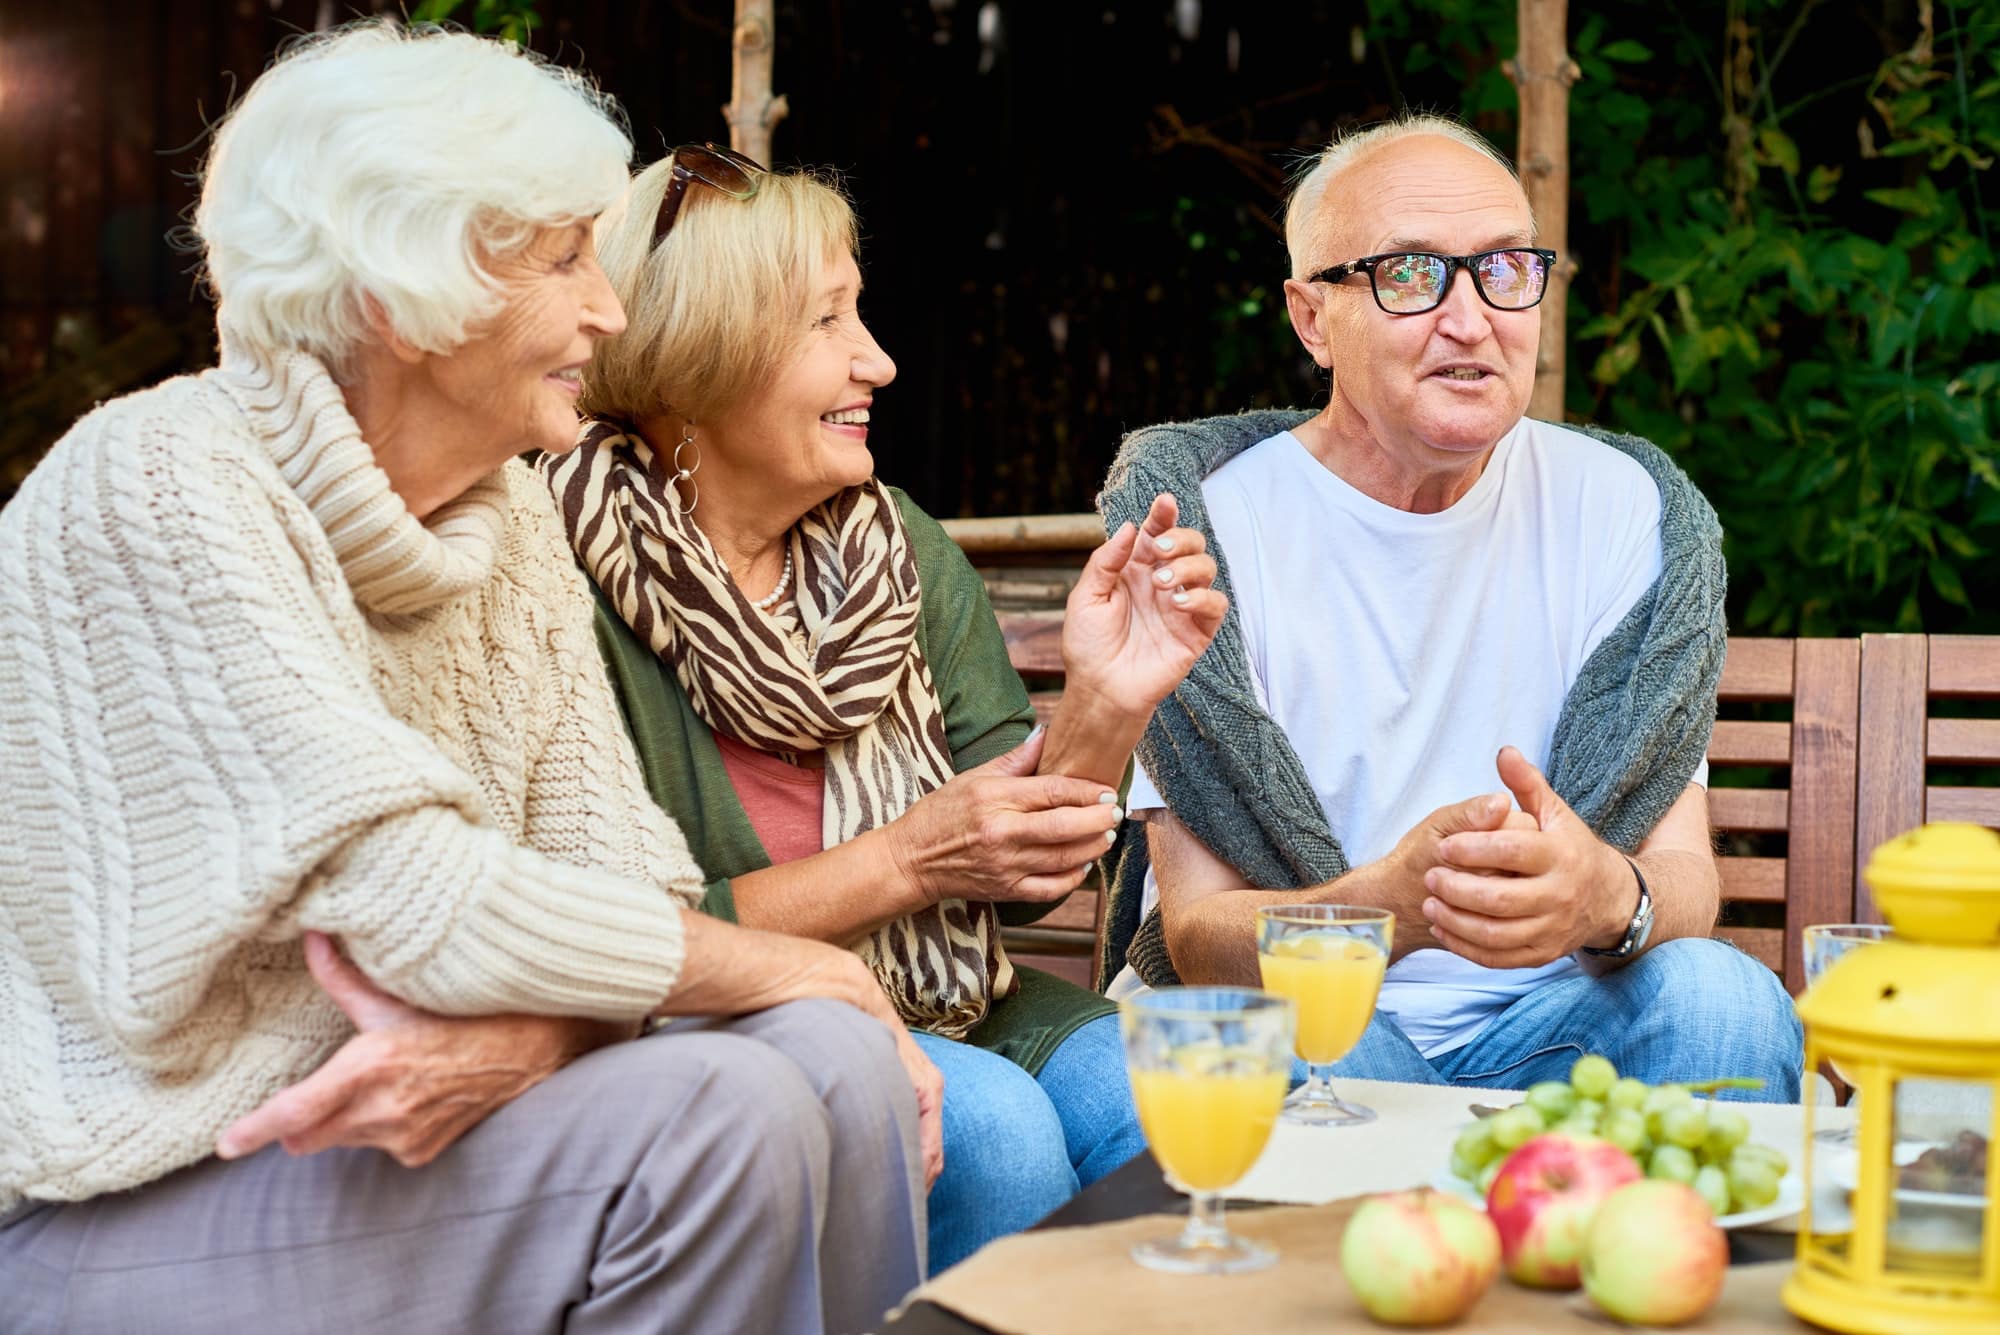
[[1474, 1146], [1727, 1129], [1713, 1185], [1772, 1158], [1626, 1128], [1515, 1126], [1660, 1102], [1488, 1173], [1552, 1099], [1464, 1167], [1672, 1163], [1576, 1126], [1590, 1110], [1686, 1127], [1593, 1076], [1752, 1183], [1629, 1092]]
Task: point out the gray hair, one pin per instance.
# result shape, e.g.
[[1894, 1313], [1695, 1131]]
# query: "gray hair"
[[1305, 222], [384, 163]]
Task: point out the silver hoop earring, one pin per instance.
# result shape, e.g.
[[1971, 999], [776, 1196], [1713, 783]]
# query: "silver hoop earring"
[[684, 472]]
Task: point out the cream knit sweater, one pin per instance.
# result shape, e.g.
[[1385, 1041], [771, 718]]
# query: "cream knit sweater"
[[243, 694]]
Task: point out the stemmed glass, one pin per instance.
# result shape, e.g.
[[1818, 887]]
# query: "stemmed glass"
[[1209, 1067], [1825, 943], [1329, 958]]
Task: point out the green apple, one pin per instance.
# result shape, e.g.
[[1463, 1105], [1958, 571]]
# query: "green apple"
[[1653, 1255], [1418, 1258]]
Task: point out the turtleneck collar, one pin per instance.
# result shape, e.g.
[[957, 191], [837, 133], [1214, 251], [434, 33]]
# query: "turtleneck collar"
[[394, 563]]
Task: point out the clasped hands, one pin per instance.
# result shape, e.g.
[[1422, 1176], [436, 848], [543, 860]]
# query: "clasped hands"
[[1515, 889]]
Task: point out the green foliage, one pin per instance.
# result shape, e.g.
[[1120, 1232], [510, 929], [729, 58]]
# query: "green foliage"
[[514, 20], [1787, 279]]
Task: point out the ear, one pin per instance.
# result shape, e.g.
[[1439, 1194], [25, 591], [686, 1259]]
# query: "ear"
[[378, 322], [1302, 303]]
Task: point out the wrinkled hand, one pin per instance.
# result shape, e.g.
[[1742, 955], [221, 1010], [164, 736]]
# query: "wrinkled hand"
[[1003, 833], [1142, 612], [1518, 898], [410, 1083], [928, 1081], [1419, 851]]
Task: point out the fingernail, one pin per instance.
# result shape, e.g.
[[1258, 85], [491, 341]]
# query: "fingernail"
[[1111, 836], [1163, 543], [226, 1148], [1180, 599], [1436, 935], [1118, 813], [1164, 575], [1033, 733], [1430, 908], [1106, 799]]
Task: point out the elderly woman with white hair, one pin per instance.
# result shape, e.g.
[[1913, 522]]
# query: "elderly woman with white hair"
[[332, 901], [818, 689]]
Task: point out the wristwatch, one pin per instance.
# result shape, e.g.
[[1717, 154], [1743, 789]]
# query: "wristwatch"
[[1637, 930]]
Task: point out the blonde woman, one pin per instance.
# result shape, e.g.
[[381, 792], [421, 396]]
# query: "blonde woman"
[[819, 692], [331, 896]]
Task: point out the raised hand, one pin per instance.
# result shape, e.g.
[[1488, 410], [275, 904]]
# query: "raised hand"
[[409, 1083], [1517, 898], [1144, 609]]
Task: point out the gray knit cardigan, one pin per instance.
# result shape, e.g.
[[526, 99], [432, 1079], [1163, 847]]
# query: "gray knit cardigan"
[[1631, 733]]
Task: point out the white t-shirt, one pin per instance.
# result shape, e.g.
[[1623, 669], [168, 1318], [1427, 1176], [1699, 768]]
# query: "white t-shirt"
[[1399, 652]]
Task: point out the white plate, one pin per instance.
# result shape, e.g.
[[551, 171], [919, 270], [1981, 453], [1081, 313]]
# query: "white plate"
[[1843, 1169], [1791, 1198]]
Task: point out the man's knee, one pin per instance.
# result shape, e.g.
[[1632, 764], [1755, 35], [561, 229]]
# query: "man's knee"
[[1730, 1008]]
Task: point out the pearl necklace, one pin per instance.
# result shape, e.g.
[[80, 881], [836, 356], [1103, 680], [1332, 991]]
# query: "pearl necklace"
[[770, 600]]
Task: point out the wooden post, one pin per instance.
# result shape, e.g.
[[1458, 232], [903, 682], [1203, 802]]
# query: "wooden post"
[[1542, 73], [752, 112]]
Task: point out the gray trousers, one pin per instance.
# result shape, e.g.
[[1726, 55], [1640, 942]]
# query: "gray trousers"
[[758, 1174]]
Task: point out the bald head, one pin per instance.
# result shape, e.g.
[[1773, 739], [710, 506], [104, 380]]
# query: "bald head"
[[1321, 215]]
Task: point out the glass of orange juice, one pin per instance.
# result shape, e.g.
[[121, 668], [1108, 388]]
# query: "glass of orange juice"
[[1329, 959], [1209, 1066]]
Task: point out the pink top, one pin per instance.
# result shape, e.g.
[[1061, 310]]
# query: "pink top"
[[784, 801]]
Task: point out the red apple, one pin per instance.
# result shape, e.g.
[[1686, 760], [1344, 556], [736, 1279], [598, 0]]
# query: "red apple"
[[1418, 1258], [1542, 1201], [1654, 1256]]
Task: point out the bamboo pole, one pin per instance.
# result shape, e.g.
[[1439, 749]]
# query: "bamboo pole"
[[1542, 73], [752, 112]]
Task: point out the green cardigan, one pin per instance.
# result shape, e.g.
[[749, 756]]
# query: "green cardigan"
[[986, 713]]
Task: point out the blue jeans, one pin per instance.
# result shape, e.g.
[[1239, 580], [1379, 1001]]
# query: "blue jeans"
[[1685, 1010], [1017, 1146]]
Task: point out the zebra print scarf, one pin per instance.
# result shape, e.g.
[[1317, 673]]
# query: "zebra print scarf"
[[836, 669]]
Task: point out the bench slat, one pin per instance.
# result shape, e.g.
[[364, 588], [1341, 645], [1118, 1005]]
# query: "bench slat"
[[1752, 880], [1757, 669], [1740, 743], [1748, 809], [1766, 944], [1034, 642], [1964, 741], [1965, 665], [1072, 968], [1981, 806]]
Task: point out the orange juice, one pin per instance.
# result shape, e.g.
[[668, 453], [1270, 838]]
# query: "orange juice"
[[1207, 1128], [1334, 980]]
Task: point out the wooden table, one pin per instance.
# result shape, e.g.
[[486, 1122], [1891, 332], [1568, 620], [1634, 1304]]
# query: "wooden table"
[[1140, 1188]]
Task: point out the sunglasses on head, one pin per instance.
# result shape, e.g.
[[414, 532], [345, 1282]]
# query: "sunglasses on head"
[[719, 169]]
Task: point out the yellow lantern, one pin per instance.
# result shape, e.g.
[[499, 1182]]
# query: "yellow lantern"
[[1901, 1230]]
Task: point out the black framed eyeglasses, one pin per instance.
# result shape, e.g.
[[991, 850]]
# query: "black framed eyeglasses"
[[720, 169], [1410, 282]]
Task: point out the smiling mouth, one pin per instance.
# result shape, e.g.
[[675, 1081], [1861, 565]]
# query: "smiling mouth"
[[846, 417], [1465, 373]]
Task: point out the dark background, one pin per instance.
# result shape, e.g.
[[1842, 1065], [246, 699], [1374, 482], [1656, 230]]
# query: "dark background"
[[1784, 215], [1068, 221]]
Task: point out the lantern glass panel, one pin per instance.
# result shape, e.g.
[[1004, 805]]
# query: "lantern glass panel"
[[1937, 1203]]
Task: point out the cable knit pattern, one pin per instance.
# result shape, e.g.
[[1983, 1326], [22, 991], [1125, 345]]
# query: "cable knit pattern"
[[243, 694]]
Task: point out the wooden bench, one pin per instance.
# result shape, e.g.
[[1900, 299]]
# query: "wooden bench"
[[1823, 748]]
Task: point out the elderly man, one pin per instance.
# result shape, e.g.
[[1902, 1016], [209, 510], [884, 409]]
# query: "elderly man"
[[1440, 605]]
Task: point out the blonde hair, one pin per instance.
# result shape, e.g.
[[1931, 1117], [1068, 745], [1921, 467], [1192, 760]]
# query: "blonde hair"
[[1306, 223], [716, 310], [392, 163]]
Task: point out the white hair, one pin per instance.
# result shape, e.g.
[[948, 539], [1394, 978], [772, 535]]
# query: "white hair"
[[377, 162], [1307, 224]]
